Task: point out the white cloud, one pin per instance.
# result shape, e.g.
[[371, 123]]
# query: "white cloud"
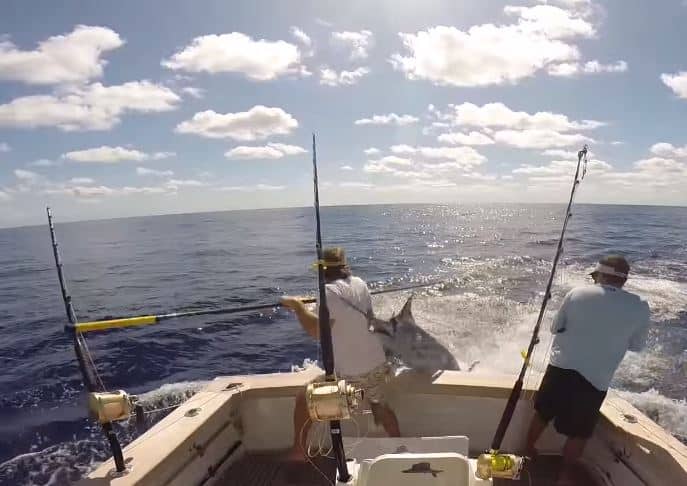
[[561, 154], [175, 183], [91, 107], [44, 163], [346, 167], [197, 93], [390, 119], [68, 58], [256, 187], [260, 60], [540, 138], [668, 150], [81, 180], [4, 196], [676, 82], [472, 138], [466, 157], [329, 77], [356, 185], [257, 123], [109, 155], [26, 175], [359, 43], [4, 147], [371, 151], [590, 67], [661, 165], [304, 39], [269, 151], [494, 54], [498, 115], [565, 169], [144, 171]]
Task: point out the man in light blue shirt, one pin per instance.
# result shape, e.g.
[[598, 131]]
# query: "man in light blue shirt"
[[593, 329]]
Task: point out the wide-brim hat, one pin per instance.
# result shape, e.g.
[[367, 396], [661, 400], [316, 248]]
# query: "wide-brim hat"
[[333, 257]]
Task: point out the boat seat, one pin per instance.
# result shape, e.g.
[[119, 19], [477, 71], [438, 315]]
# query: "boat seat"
[[408, 469]]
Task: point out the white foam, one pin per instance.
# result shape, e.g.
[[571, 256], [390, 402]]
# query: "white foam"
[[669, 414]]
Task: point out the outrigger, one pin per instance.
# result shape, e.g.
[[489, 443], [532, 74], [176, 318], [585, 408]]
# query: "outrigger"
[[233, 431]]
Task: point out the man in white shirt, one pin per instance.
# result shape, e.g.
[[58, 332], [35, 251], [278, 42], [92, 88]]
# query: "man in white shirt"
[[358, 354], [593, 329]]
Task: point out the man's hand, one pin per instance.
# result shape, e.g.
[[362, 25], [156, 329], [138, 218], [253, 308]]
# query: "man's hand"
[[293, 303]]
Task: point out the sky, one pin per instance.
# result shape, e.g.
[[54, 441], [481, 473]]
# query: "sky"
[[112, 109]]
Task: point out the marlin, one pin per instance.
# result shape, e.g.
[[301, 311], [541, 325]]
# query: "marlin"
[[406, 342]]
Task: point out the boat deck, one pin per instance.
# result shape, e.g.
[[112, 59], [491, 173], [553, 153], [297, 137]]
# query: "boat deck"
[[272, 469]]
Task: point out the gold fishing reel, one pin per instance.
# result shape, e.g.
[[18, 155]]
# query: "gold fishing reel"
[[493, 464], [113, 406], [332, 400]]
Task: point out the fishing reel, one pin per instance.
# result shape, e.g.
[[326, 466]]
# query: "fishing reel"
[[492, 464], [332, 400], [106, 407]]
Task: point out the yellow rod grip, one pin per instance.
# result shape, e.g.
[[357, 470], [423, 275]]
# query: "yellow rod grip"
[[114, 323]]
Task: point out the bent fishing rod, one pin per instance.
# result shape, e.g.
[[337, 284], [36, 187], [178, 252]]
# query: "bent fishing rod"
[[580, 172], [90, 375], [326, 343], [119, 322]]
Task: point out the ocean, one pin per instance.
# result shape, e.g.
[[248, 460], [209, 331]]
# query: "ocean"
[[493, 261]]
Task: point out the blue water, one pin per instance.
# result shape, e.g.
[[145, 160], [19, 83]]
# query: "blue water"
[[494, 260]]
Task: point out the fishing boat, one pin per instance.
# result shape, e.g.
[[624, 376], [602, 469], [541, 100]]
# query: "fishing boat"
[[235, 432], [457, 428]]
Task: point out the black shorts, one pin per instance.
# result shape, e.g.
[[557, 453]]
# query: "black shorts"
[[570, 400]]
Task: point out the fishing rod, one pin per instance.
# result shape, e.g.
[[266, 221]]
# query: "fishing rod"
[[326, 343], [90, 375], [119, 322], [580, 172]]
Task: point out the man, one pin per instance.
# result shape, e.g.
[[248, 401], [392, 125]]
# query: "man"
[[358, 354], [593, 329]]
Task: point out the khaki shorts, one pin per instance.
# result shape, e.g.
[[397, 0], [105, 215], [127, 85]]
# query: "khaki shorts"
[[373, 383]]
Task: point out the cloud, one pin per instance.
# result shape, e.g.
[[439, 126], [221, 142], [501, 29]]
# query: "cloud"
[[539, 138], [197, 93], [260, 60], [676, 82], [44, 163], [472, 138], [464, 157], [668, 150], [69, 58], [561, 154], [4, 147], [390, 119], [269, 151], [489, 54], [498, 115], [304, 39], [109, 155], [564, 169], [371, 151], [4, 196], [91, 107], [26, 175], [359, 43], [346, 167], [329, 77], [356, 185], [257, 123], [590, 67], [253, 188], [81, 180], [143, 171], [176, 183]]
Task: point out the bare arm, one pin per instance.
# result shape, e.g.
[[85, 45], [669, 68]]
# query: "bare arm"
[[308, 320]]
